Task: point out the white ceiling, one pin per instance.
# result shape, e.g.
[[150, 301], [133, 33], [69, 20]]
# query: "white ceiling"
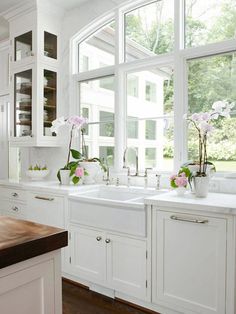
[[65, 4], [7, 4]]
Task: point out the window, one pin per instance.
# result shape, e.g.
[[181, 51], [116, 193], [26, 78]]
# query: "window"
[[209, 21], [106, 153], [150, 91], [106, 124], [132, 127], [97, 47], [210, 79], [146, 28], [132, 86], [136, 88], [98, 106], [149, 130]]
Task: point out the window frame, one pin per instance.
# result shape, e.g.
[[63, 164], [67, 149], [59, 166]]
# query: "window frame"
[[178, 58]]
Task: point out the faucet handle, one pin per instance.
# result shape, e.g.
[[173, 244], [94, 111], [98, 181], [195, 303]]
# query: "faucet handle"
[[146, 171], [158, 177]]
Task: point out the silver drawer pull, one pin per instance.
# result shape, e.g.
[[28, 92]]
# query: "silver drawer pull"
[[107, 240], [15, 208], [98, 238], [44, 198], [14, 194], [193, 220]]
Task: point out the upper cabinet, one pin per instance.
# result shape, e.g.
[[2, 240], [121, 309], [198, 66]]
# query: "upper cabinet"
[[34, 65], [23, 46], [4, 68]]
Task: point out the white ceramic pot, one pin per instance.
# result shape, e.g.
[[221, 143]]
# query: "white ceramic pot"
[[201, 186], [92, 168], [65, 177], [180, 190]]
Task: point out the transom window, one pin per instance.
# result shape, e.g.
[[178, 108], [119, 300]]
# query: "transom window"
[[138, 75]]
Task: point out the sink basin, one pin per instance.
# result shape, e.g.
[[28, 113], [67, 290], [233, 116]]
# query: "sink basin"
[[118, 194]]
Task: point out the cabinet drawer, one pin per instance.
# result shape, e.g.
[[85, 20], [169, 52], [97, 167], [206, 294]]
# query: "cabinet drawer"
[[13, 209], [46, 209], [13, 194]]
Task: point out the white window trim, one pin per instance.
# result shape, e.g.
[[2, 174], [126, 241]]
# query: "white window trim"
[[178, 58]]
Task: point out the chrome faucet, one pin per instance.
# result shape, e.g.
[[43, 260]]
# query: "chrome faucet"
[[136, 162], [107, 178]]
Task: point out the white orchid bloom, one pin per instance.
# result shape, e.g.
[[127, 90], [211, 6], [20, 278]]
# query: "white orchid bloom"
[[56, 124], [218, 106]]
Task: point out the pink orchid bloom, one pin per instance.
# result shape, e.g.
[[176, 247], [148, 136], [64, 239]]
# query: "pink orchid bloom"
[[79, 172]]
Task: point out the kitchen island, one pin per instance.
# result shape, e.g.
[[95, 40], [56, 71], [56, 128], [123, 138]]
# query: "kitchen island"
[[30, 267]]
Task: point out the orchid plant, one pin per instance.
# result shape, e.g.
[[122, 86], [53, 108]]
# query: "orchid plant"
[[75, 124], [203, 123]]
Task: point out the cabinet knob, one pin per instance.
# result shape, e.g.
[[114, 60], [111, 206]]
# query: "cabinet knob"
[[14, 194], [107, 240], [15, 208], [98, 238]]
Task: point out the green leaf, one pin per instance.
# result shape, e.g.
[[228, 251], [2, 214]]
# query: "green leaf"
[[59, 175], [75, 180], [76, 154], [172, 184], [185, 170]]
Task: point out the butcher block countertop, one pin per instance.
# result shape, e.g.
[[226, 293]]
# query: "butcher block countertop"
[[21, 240]]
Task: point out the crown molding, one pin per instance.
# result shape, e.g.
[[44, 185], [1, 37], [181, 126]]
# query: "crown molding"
[[28, 6], [19, 9]]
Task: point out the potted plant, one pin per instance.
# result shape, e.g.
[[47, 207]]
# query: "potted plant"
[[77, 168], [202, 122], [71, 170], [180, 181]]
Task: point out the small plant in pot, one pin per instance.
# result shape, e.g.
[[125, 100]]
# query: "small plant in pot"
[[74, 170], [179, 181], [203, 124]]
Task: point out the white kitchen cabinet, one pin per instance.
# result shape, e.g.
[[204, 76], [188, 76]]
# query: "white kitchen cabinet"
[[34, 70], [127, 265], [114, 261], [4, 66], [13, 202], [88, 254], [46, 209], [189, 262]]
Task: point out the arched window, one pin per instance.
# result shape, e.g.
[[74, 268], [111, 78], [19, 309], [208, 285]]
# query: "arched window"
[[148, 64]]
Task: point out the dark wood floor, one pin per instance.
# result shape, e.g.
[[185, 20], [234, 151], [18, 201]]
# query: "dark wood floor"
[[78, 300]]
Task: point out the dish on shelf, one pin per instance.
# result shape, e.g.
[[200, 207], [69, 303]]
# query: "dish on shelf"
[[24, 117]]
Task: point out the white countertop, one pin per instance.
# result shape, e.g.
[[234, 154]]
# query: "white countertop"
[[214, 202], [45, 186]]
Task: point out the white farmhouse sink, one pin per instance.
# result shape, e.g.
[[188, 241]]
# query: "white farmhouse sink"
[[118, 194], [120, 209]]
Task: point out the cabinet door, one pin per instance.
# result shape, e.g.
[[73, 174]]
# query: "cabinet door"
[[189, 262], [88, 254], [4, 66], [46, 209], [127, 265]]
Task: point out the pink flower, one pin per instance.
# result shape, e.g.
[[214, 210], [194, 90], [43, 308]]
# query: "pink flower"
[[173, 177], [79, 172], [181, 181]]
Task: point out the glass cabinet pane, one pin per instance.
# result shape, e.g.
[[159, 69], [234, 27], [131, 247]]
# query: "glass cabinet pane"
[[23, 46], [23, 103], [50, 101], [50, 45]]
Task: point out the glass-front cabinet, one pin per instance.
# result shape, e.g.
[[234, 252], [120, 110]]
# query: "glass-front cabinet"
[[23, 103], [34, 69], [23, 46], [49, 101]]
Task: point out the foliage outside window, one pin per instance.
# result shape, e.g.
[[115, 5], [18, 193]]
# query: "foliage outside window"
[[149, 36], [209, 79]]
